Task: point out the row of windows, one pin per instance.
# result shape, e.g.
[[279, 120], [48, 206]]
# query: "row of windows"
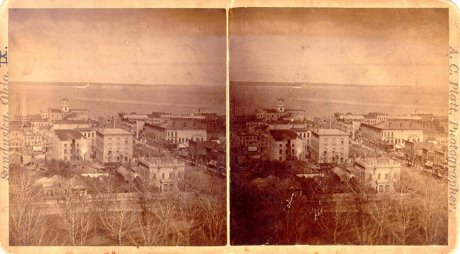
[[170, 175], [248, 137], [171, 133], [183, 140], [287, 145], [334, 139], [381, 186], [304, 135], [379, 176], [33, 137], [292, 151], [89, 134], [65, 151]]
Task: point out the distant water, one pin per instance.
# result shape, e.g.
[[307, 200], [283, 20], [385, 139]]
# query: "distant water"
[[104, 100], [325, 99]]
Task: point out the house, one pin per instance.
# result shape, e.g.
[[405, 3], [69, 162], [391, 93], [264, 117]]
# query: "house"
[[114, 145], [392, 133], [163, 172], [69, 145], [285, 145], [280, 113], [329, 146], [380, 174], [175, 133]]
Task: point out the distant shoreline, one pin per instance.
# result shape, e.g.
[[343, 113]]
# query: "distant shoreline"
[[84, 84], [308, 84]]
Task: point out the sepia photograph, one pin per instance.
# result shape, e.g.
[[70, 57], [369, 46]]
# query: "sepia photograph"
[[339, 126], [117, 131]]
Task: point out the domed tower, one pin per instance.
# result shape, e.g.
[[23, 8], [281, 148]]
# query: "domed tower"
[[280, 105], [65, 105]]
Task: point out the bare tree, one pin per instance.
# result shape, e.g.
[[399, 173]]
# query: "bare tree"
[[117, 212], [380, 212], [76, 213], [28, 224], [214, 216], [334, 222], [404, 220]]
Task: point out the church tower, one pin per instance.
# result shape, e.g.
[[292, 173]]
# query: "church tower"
[[280, 106], [65, 105]]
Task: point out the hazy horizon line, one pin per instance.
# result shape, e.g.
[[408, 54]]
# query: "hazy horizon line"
[[85, 84], [299, 83]]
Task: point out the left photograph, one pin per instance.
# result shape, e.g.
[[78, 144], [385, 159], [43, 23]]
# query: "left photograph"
[[117, 127]]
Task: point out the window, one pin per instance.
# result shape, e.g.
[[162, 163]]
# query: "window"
[[386, 176], [380, 188], [65, 151], [378, 177], [162, 175], [281, 151]]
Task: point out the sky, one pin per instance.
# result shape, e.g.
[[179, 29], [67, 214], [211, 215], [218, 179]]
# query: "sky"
[[402, 47], [123, 46]]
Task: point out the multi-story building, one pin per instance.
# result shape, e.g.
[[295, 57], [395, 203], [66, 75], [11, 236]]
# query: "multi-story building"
[[39, 124], [329, 146], [391, 133], [380, 174], [28, 118], [65, 112], [69, 145], [156, 117], [70, 124], [90, 135], [114, 145], [32, 142], [163, 172], [280, 113], [16, 142], [373, 118], [285, 145], [175, 132], [305, 135]]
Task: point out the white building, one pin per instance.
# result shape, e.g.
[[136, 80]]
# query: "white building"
[[69, 145], [163, 172], [329, 146], [114, 145], [378, 174]]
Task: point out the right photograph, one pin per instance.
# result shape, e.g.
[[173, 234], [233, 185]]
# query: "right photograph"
[[338, 126]]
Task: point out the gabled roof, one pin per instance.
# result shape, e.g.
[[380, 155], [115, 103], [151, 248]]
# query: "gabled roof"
[[112, 131], [282, 135], [55, 110], [65, 135], [270, 110], [70, 122]]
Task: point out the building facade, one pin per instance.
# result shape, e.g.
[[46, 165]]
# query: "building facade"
[[69, 145], [163, 172], [285, 145], [378, 174], [114, 145], [329, 146]]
